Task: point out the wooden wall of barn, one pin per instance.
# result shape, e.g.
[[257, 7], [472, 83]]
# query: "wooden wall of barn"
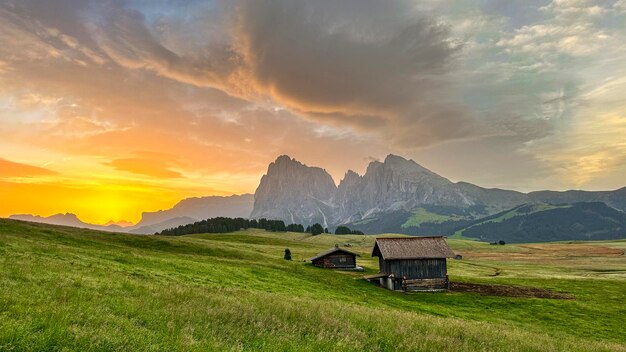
[[336, 260], [414, 268]]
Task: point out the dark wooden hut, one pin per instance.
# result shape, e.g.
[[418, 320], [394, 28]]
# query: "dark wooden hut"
[[336, 258], [412, 263]]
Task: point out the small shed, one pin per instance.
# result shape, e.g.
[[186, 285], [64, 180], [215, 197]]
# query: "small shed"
[[336, 258], [412, 263]]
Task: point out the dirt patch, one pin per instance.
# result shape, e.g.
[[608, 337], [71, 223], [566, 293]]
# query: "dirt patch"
[[575, 250], [543, 252], [507, 291]]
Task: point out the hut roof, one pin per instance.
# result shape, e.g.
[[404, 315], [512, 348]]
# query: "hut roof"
[[412, 248], [331, 251]]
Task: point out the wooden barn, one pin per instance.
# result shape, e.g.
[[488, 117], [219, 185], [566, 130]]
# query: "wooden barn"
[[336, 258], [412, 263]]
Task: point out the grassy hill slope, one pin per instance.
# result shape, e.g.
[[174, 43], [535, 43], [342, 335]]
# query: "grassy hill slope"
[[544, 223], [65, 288]]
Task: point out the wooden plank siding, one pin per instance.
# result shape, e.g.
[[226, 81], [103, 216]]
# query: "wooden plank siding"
[[336, 260], [415, 274], [415, 268], [425, 284]]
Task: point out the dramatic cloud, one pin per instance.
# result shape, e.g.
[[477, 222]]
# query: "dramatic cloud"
[[359, 63], [197, 97]]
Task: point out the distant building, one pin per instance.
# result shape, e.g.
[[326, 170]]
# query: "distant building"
[[412, 263], [336, 258]]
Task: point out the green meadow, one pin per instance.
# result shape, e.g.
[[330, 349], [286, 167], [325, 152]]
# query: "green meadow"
[[67, 289]]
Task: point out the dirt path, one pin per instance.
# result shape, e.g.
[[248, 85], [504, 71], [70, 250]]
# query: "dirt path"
[[507, 291]]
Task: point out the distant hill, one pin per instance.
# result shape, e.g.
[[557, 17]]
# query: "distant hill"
[[235, 206], [163, 225], [546, 222], [122, 223], [67, 219], [535, 222]]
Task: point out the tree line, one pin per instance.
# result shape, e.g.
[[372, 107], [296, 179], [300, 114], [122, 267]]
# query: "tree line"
[[345, 230], [225, 225]]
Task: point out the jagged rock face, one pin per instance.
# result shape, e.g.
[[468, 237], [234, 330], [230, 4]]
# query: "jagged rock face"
[[398, 183], [347, 207], [295, 193]]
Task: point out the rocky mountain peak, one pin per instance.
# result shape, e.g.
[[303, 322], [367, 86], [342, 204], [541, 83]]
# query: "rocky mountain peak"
[[392, 159], [349, 178], [400, 164], [285, 161], [286, 164], [294, 192]]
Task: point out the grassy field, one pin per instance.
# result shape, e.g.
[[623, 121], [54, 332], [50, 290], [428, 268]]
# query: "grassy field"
[[421, 215], [67, 289]]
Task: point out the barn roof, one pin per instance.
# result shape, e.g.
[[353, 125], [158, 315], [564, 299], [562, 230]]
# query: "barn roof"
[[412, 248], [331, 251]]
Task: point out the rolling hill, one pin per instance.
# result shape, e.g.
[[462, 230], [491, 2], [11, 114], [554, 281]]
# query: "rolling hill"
[[546, 222], [63, 288], [534, 222]]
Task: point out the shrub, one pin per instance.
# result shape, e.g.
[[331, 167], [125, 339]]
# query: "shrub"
[[287, 254]]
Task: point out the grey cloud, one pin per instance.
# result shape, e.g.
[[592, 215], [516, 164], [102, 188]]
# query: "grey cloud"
[[323, 60], [369, 66]]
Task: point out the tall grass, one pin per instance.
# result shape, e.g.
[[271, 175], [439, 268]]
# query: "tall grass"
[[70, 289]]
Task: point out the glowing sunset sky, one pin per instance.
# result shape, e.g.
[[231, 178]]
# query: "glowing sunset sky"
[[111, 108]]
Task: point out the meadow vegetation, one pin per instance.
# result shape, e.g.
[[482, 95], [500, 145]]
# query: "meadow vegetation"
[[71, 289]]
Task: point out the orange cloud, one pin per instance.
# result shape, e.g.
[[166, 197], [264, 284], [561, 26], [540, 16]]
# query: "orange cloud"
[[147, 167], [13, 169]]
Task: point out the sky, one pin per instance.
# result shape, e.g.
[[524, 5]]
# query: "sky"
[[109, 108]]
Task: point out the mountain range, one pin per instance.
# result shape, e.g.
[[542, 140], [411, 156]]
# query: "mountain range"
[[396, 195], [399, 195]]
